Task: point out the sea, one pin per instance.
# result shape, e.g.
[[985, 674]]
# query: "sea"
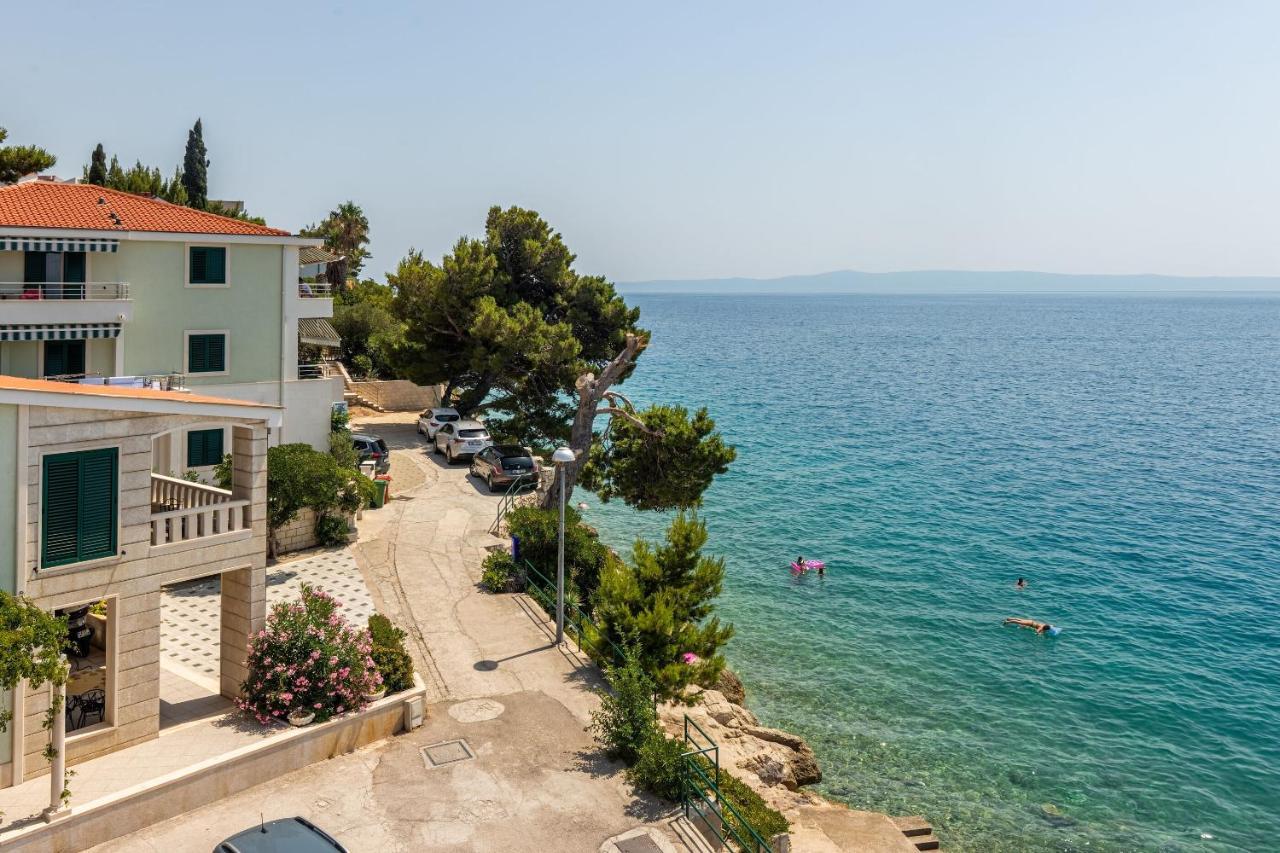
[[1120, 452]]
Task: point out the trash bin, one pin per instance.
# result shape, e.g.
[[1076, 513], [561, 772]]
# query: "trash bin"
[[386, 493], [379, 494]]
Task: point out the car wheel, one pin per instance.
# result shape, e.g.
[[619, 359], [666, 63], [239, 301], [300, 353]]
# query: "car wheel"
[[448, 455], [492, 490], [435, 446]]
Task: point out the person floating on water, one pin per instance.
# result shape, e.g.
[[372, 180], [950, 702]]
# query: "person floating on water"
[[1021, 584], [1038, 627]]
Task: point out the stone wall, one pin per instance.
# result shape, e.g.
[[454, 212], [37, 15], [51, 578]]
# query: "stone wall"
[[300, 533], [398, 395]]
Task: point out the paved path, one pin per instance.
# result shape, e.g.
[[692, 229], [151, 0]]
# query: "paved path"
[[529, 777]]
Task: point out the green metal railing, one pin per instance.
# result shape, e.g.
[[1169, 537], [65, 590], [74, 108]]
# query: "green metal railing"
[[700, 794], [585, 632], [506, 503]]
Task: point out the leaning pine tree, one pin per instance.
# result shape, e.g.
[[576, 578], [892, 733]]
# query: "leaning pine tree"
[[661, 605]]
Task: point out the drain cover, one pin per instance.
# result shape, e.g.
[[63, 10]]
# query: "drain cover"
[[639, 844], [449, 752]]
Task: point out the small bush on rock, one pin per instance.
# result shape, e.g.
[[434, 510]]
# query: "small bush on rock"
[[625, 720], [658, 767], [308, 658], [389, 654], [501, 574], [754, 810]]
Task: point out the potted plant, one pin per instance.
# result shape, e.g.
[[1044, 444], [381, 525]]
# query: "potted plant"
[[300, 717]]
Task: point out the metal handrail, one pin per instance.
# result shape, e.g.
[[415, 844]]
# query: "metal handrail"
[[505, 504], [727, 830], [311, 371], [315, 290], [575, 618], [166, 381], [54, 291]]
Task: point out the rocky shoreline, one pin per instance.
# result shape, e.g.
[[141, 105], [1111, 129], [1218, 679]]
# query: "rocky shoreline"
[[777, 765]]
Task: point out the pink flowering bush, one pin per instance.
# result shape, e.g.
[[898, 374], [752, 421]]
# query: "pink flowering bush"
[[308, 658]]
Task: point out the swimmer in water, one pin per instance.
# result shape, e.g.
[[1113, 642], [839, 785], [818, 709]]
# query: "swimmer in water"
[[1038, 627], [1021, 584]]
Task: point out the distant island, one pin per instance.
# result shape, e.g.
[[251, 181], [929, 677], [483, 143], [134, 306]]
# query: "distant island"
[[960, 281]]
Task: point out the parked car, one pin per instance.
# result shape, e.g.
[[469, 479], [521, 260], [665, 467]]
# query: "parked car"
[[500, 465], [432, 419], [370, 447], [287, 835], [461, 438]]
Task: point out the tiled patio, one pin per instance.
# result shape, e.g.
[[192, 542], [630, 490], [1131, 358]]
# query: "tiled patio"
[[195, 725]]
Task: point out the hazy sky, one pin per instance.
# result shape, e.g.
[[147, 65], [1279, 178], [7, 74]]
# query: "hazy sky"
[[702, 139]]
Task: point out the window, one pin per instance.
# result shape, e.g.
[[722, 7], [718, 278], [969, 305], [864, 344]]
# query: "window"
[[79, 506], [207, 353], [63, 357], [207, 265], [204, 447]]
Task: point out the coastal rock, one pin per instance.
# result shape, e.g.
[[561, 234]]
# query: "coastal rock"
[[802, 760], [770, 770], [743, 716], [717, 707], [731, 686]]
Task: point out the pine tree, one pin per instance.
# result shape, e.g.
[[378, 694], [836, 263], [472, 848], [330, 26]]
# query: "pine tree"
[[97, 173], [115, 175], [195, 168], [19, 160], [662, 604], [174, 191]]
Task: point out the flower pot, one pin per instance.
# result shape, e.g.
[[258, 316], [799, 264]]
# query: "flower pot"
[[301, 717], [376, 695]]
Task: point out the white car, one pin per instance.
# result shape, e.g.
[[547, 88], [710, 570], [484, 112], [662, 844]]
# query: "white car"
[[432, 419], [461, 438]]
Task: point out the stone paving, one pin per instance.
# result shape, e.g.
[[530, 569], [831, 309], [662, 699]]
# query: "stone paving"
[[189, 612]]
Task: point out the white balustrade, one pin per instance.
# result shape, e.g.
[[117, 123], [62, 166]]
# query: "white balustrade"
[[183, 510]]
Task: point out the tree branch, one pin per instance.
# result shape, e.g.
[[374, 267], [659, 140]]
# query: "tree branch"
[[614, 410]]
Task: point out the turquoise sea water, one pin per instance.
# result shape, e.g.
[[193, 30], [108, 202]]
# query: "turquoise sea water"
[[1121, 453]]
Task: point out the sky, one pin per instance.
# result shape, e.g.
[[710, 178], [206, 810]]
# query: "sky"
[[707, 139]]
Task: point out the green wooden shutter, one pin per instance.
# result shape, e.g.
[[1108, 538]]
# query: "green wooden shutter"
[[196, 354], [206, 353], [204, 447], [79, 506], [216, 260], [33, 266], [75, 356], [60, 500], [217, 353], [97, 531], [73, 266], [55, 358], [199, 264]]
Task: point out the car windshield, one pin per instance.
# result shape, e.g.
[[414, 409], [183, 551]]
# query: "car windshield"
[[512, 452], [471, 433]]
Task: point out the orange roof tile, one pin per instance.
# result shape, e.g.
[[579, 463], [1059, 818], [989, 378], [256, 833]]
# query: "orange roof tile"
[[46, 204], [45, 386]]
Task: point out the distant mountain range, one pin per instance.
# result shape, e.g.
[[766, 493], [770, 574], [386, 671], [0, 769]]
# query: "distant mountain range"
[[959, 281]]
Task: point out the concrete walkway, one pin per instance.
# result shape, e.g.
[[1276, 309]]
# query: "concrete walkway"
[[527, 777]]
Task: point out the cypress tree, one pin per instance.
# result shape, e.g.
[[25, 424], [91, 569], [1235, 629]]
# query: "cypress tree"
[[98, 167], [195, 168]]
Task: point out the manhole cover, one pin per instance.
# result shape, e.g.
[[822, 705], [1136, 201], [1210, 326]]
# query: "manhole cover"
[[476, 710], [449, 752], [639, 844]]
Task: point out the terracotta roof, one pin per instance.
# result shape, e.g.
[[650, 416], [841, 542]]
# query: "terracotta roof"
[[45, 386], [46, 204]]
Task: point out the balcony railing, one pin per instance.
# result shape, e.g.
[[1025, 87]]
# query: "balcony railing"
[[101, 291], [182, 511], [315, 371], [162, 382], [315, 289]]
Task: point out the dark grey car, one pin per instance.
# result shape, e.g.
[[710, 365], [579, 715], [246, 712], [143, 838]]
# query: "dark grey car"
[[372, 448], [287, 835]]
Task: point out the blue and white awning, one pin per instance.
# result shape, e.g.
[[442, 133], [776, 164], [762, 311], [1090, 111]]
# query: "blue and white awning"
[[10, 243], [59, 331]]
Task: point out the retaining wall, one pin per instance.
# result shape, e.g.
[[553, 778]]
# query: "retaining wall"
[[300, 533], [398, 395]]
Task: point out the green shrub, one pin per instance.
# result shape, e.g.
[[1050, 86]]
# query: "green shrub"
[[626, 719], [754, 810], [658, 768], [362, 365], [222, 472], [585, 556], [389, 654], [331, 530], [501, 574], [339, 417], [343, 450]]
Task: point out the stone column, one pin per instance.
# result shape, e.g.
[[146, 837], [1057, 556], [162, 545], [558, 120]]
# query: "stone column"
[[244, 590], [58, 767]]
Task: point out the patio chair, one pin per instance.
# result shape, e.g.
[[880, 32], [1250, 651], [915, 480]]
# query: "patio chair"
[[93, 703]]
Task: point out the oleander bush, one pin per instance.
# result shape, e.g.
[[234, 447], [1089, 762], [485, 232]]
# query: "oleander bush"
[[308, 658], [389, 654]]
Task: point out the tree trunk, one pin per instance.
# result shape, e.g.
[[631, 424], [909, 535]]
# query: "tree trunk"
[[591, 391]]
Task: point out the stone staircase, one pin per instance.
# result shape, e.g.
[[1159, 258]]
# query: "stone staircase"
[[352, 396], [918, 831]]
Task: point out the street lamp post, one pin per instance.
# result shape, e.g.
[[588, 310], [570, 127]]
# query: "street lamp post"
[[562, 456]]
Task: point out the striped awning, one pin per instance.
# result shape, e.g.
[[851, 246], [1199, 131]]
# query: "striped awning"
[[59, 331], [9, 243], [318, 332]]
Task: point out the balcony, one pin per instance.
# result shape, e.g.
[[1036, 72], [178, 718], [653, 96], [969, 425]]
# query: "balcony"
[[319, 370], [315, 290], [183, 511], [313, 299], [159, 382], [66, 302]]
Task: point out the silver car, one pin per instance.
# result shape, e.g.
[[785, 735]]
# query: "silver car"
[[461, 439], [432, 419]]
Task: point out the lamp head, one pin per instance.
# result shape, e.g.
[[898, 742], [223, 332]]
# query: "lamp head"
[[562, 455]]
